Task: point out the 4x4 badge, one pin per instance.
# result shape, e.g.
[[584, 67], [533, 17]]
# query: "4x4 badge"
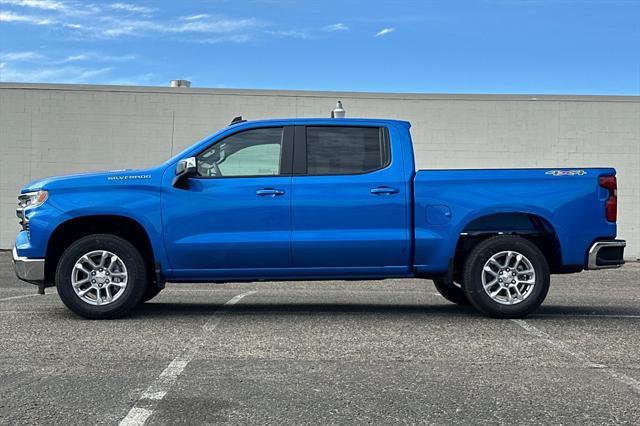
[[566, 172]]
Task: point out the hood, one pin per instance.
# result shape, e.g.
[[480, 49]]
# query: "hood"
[[126, 176]]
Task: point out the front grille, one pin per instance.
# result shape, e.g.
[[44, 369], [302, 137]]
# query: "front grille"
[[24, 221]]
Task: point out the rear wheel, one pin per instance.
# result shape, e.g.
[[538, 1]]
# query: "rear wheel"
[[101, 276], [506, 277], [451, 291]]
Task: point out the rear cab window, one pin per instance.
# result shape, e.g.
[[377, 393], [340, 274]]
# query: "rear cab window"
[[345, 150]]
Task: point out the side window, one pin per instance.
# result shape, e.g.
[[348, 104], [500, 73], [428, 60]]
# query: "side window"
[[254, 152], [345, 150]]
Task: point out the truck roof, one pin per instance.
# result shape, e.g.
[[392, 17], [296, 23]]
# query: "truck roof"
[[323, 121], [240, 124]]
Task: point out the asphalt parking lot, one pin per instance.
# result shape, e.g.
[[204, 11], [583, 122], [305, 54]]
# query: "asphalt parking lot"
[[323, 352]]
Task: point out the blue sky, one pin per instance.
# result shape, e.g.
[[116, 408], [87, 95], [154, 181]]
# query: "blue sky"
[[455, 46]]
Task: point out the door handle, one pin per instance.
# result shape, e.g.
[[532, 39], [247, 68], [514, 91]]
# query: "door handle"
[[384, 190], [269, 192]]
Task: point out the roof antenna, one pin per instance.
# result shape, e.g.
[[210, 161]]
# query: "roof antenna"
[[237, 120], [338, 112]]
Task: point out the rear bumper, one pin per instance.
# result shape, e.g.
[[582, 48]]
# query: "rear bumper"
[[27, 269], [606, 254]]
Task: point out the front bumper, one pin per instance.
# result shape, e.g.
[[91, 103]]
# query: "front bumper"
[[606, 254], [27, 269]]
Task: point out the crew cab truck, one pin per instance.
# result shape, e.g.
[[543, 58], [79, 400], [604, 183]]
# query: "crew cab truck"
[[307, 199]]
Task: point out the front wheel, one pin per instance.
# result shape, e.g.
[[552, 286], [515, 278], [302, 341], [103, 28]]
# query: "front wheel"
[[506, 277], [101, 276]]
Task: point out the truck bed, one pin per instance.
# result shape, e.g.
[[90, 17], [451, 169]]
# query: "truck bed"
[[455, 202]]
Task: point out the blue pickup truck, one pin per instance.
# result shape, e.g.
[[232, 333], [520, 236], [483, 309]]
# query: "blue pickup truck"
[[308, 199]]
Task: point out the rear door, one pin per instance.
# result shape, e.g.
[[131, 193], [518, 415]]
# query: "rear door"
[[348, 201]]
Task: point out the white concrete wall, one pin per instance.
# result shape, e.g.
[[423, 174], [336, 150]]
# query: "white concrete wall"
[[57, 129]]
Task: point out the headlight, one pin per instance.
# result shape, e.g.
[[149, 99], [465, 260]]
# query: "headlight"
[[32, 199]]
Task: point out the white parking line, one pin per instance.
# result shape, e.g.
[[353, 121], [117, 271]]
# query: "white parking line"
[[580, 356], [20, 297], [620, 316], [149, 399], [136, 416]]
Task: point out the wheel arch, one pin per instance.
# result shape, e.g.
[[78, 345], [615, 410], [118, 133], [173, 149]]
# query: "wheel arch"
[[125, 227], [531, 225]]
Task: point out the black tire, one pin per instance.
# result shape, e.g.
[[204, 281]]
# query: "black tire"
[[150, 291], [473, 270], [128, 254], [451, 291]]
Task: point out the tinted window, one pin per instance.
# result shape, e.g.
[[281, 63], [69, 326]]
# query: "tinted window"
[[345, 150], [250, 153]]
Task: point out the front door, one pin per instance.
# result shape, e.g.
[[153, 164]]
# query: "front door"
[[236, 214]]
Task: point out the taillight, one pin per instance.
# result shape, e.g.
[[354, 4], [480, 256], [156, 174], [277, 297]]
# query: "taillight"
[[611, 205]]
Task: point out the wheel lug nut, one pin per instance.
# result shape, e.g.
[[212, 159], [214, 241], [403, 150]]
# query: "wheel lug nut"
[[513, 282], [500, 280], [514, 274], [93, 281], [93, 273]]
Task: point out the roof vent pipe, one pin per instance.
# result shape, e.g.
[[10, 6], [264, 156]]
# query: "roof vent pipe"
[[180, 83], [338, 112]]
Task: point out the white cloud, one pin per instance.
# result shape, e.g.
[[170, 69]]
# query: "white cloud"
[[26, 19], [36, 4], [127, 7], [116, 58], [195, 17], [89, 73], [119, 20], [20, 56], [301, 34], [239, 38], [84, 10], [215, 26], [66, 74], [118, 31], [384, 32], [75, 58], [118, 28], [97, 57], [336, 27], [35, 57]]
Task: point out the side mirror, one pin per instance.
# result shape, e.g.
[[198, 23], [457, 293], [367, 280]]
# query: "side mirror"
[[184, 169]]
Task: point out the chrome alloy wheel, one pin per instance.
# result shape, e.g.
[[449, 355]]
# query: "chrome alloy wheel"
[[508, 277], [99, 277]]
